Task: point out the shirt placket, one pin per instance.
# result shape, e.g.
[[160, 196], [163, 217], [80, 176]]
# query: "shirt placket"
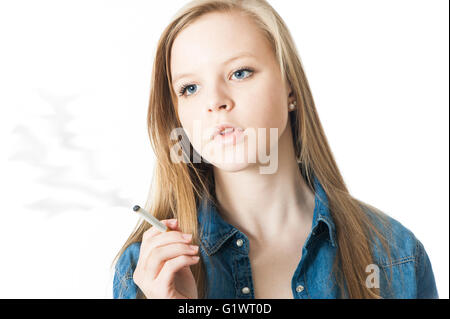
[[299, 285], [242, 271]]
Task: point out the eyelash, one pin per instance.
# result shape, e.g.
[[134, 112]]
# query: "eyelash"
[[185, 86]]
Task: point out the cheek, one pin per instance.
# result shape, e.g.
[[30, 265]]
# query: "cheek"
[[186, 120], [270, 110], [193, 127]]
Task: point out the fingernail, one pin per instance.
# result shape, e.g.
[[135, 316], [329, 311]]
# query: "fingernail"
[[193, 247], [187, 236]]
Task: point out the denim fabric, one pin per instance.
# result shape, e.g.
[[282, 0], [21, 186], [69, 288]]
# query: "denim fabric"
[[225, 252]]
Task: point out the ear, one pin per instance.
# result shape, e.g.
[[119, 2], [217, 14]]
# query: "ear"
[[289, 90]]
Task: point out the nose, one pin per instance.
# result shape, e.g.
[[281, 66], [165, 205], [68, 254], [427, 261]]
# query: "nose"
[[219, 99], [218, 107]]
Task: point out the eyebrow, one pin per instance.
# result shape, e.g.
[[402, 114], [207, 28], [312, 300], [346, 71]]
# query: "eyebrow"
[[241, 55]]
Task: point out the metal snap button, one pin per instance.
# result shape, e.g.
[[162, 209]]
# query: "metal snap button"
[[239, 242], [299, 288], [245, 290]]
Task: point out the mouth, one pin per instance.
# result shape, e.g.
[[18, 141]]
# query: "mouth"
[[225, 130], [227, 135]]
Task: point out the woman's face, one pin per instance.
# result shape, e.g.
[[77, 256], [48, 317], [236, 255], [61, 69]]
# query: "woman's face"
[[223, 70]]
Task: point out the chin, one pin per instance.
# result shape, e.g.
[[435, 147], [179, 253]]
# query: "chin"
[[231, 167], [232, 163], [232, 158]]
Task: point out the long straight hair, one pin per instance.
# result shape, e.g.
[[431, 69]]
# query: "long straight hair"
[[178, 188]]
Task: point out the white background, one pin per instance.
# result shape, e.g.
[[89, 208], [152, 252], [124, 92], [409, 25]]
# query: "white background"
[[74, 81]]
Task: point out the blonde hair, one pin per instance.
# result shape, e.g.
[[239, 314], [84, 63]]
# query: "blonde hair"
[[177, 188]]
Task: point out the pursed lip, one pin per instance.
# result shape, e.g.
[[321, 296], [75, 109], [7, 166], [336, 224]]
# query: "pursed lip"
[[219, 128]]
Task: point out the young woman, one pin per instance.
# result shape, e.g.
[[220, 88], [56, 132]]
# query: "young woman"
[[225, 70]]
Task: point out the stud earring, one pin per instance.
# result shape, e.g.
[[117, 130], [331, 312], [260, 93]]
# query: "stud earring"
[[292, 105]]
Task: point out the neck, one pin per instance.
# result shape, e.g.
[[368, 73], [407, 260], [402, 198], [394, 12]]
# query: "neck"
[[266, 206]]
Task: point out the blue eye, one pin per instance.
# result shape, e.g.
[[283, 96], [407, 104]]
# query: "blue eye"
[[190, 86], [242, 71], [185, 87]]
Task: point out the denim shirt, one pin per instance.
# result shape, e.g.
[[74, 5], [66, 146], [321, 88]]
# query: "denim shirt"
[[225, 253]]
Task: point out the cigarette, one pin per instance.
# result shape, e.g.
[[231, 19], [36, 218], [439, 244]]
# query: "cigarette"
[[152, 220]]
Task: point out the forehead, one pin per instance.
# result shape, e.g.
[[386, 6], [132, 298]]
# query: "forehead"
[[215, 38]]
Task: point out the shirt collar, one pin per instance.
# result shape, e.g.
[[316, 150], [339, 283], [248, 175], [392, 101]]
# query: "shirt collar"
[[214, 231], [322, 212]]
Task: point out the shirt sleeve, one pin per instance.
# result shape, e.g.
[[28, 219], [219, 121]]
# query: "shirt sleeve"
[[123, 283], [426, 285]]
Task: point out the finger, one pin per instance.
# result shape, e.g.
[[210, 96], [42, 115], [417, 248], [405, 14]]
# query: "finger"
[[167, 273], [162, 239], [160, 255], [153, 231]]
